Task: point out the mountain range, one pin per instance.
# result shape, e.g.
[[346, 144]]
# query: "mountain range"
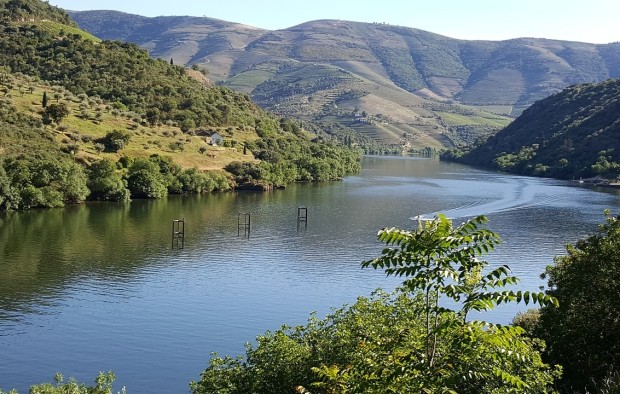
[[393, 83]]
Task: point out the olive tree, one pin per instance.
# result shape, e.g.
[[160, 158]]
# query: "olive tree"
[[55, 113]]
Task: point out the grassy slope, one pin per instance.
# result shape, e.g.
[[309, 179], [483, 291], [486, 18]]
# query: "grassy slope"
[[57, 29], [144, 141]]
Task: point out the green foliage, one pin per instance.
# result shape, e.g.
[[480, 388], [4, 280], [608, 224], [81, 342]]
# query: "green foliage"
[[376, 346], [115, 140], [609, 384], [399, 65], [123, 73], [103, 385], [145, 180], [571, 134], [289, 157], [55, 113], [193, 181], [605, 166], [156, 176], [41, 182], [442, 262], [122, 77], [406, 342], [105, 183], [16, 10], [582, 334]]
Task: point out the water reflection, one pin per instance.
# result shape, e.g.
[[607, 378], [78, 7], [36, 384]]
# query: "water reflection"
[[98, 286]]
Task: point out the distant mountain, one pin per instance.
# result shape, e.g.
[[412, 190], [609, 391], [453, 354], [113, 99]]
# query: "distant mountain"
[[572, 134], [416, 86]]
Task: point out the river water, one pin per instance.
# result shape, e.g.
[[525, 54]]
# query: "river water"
[[99, 287]]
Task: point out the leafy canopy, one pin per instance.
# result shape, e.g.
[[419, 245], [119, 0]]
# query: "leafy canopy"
[[583, 333]]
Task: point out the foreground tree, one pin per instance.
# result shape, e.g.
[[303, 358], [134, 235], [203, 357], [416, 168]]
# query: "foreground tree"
[[409, 342], [583, 334], [103, 385], [443, 263]]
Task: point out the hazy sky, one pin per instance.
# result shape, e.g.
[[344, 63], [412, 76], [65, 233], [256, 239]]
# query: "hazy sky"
[[594, 21]]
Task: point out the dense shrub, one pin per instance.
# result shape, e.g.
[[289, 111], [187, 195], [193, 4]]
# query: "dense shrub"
[[115, 140], [41, 182], [145, 180], [583, 333], [105, 183]]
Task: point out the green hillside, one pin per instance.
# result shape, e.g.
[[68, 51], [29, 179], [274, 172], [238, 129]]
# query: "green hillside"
[[82, 118], [572, 134], [32, 10]]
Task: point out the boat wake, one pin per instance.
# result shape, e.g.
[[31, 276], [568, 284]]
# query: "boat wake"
[[520, 194]]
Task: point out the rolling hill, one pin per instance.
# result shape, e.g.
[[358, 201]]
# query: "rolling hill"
[[416, 87], [571, 134], [82, 117]]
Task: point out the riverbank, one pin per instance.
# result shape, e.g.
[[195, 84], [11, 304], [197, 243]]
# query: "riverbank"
[[601, 182]]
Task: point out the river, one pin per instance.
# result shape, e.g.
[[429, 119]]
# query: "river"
[[99, 287]]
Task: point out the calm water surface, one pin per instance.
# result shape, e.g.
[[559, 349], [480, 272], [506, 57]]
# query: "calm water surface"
[[98, 287]]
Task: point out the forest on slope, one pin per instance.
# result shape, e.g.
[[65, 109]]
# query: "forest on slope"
[[74, 102], [571, 134]]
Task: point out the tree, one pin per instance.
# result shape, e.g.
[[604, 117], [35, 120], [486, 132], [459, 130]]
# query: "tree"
[[407, 342], [152, 116], [115, 140], [55, 113], [442, 262], [582, 334], [44, 100], [105, 183], [9, 195], [145, 180]]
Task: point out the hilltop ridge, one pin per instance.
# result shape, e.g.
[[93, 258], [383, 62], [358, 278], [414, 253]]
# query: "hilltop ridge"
[[418, 88], [571, 134]]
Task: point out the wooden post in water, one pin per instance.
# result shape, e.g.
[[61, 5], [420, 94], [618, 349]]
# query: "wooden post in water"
[[178, 233], [245, 224], [302, 217]]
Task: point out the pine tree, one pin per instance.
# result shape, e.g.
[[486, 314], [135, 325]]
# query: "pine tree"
[[44, 100]]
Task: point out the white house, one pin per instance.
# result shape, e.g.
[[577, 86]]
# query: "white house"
[[216, 139]]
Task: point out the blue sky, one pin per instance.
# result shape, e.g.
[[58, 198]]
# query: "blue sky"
[[595, 21]]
